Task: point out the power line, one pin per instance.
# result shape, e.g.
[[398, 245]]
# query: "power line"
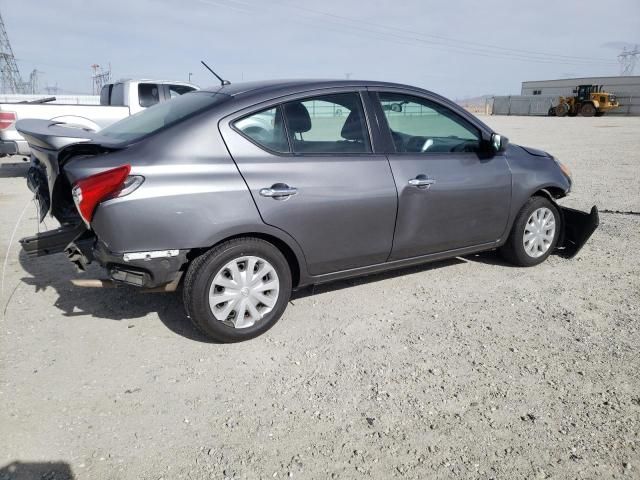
[[443, 43], [443, 38]]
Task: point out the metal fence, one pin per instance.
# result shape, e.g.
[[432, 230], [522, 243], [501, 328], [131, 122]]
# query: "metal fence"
[[539, 105]]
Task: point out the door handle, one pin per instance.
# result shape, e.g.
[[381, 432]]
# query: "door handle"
[[278, 190], [422, 181]]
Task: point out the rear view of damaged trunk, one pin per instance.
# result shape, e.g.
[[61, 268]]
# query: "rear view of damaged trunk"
[[52, 147], [53, 193]]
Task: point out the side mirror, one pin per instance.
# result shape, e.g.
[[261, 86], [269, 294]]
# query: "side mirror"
[[498, 143]]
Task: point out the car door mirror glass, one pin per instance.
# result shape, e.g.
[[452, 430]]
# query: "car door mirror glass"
[[498, 142]]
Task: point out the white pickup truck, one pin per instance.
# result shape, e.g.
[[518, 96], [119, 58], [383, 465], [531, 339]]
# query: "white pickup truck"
[[117, 101]]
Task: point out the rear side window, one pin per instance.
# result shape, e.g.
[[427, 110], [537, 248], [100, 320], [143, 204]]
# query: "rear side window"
[[148, 94], [266, 128], [177, 90], [327, 124], [117, 95]]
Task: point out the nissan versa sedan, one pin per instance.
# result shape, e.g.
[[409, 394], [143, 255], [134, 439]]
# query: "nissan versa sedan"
[[241, 193]]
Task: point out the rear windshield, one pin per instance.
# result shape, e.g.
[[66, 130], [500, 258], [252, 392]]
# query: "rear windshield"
[[162, 115]]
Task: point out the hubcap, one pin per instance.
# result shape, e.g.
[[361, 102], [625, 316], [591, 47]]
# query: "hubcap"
[[539, 232], [244, 291]]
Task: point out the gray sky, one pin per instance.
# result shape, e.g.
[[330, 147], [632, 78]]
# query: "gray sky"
[[457, 48]]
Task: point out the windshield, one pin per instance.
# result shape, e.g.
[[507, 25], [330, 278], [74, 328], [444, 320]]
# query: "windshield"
[[162, 115]]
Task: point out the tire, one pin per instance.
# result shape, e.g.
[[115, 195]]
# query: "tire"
[[588, 110], [220, 275], [515, 251], [561, 110], [551, 112]]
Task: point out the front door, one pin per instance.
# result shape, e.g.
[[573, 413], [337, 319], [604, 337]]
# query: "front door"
[[311, 171], [449, 196]]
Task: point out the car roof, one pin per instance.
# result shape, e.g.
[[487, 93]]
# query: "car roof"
[[284, 86]]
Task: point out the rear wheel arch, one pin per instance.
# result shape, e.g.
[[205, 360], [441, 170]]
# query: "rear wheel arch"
[[289, 254]]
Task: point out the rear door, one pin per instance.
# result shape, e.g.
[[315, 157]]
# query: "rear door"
[[450, 196], [311, 169]]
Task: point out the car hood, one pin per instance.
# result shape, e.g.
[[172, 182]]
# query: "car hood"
[[535, 151]]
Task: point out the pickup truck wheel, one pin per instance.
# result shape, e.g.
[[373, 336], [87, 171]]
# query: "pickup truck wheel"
[[534, 234], [237, 290]]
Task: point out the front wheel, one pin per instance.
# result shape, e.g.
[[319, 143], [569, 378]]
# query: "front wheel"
[[238, 290], [534, 234]]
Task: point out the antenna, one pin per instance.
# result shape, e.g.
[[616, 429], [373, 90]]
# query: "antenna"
[[222, 82]]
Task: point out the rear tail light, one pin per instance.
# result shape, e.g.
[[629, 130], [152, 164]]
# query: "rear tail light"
[[90, 191], [7, 119]]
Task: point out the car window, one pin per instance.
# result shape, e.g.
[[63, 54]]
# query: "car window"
[[421, 126], [117, 94], [177, 90], [162, 115], [105, 94], [332, 123], [266, 128], [148, 94]]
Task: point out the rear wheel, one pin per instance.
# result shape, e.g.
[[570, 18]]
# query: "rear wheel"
[[587, 110], [534, 234], [238, 290]]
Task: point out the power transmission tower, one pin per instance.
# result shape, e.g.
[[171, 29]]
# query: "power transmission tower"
[[9, 73], [99, 78], [33, 85], [628, 60]]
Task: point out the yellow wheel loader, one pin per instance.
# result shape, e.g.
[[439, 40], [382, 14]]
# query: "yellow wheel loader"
[[588, 101]]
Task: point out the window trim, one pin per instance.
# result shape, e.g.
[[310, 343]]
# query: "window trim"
[[389, 147], [368, 109]]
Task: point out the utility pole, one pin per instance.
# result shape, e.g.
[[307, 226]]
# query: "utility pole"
[[628, 60], [11, 81]]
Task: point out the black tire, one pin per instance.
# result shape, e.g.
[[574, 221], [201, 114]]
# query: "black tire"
[[201, 274], [561, 110], [514, 250], [588, 110]]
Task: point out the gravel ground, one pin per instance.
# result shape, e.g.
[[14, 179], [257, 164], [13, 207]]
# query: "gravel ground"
[[467, 368]]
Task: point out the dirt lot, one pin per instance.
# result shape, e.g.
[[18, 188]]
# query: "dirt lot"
[[467, 368]]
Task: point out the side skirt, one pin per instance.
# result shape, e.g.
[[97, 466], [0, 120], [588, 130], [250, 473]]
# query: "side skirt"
[[396, 264]]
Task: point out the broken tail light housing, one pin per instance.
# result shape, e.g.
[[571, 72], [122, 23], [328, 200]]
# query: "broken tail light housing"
[[7, 119], [89, 192]]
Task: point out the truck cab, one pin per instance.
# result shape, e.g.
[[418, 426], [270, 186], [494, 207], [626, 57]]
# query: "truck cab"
[[141, 94], [117, 100]]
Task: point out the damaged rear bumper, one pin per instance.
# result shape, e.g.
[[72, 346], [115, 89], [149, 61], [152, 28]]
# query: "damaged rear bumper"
[[578, 228], [141, 269]]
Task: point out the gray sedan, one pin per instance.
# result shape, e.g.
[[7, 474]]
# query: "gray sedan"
[[241, 193]]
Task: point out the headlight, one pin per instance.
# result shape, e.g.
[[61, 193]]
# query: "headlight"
[[563, 168]]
